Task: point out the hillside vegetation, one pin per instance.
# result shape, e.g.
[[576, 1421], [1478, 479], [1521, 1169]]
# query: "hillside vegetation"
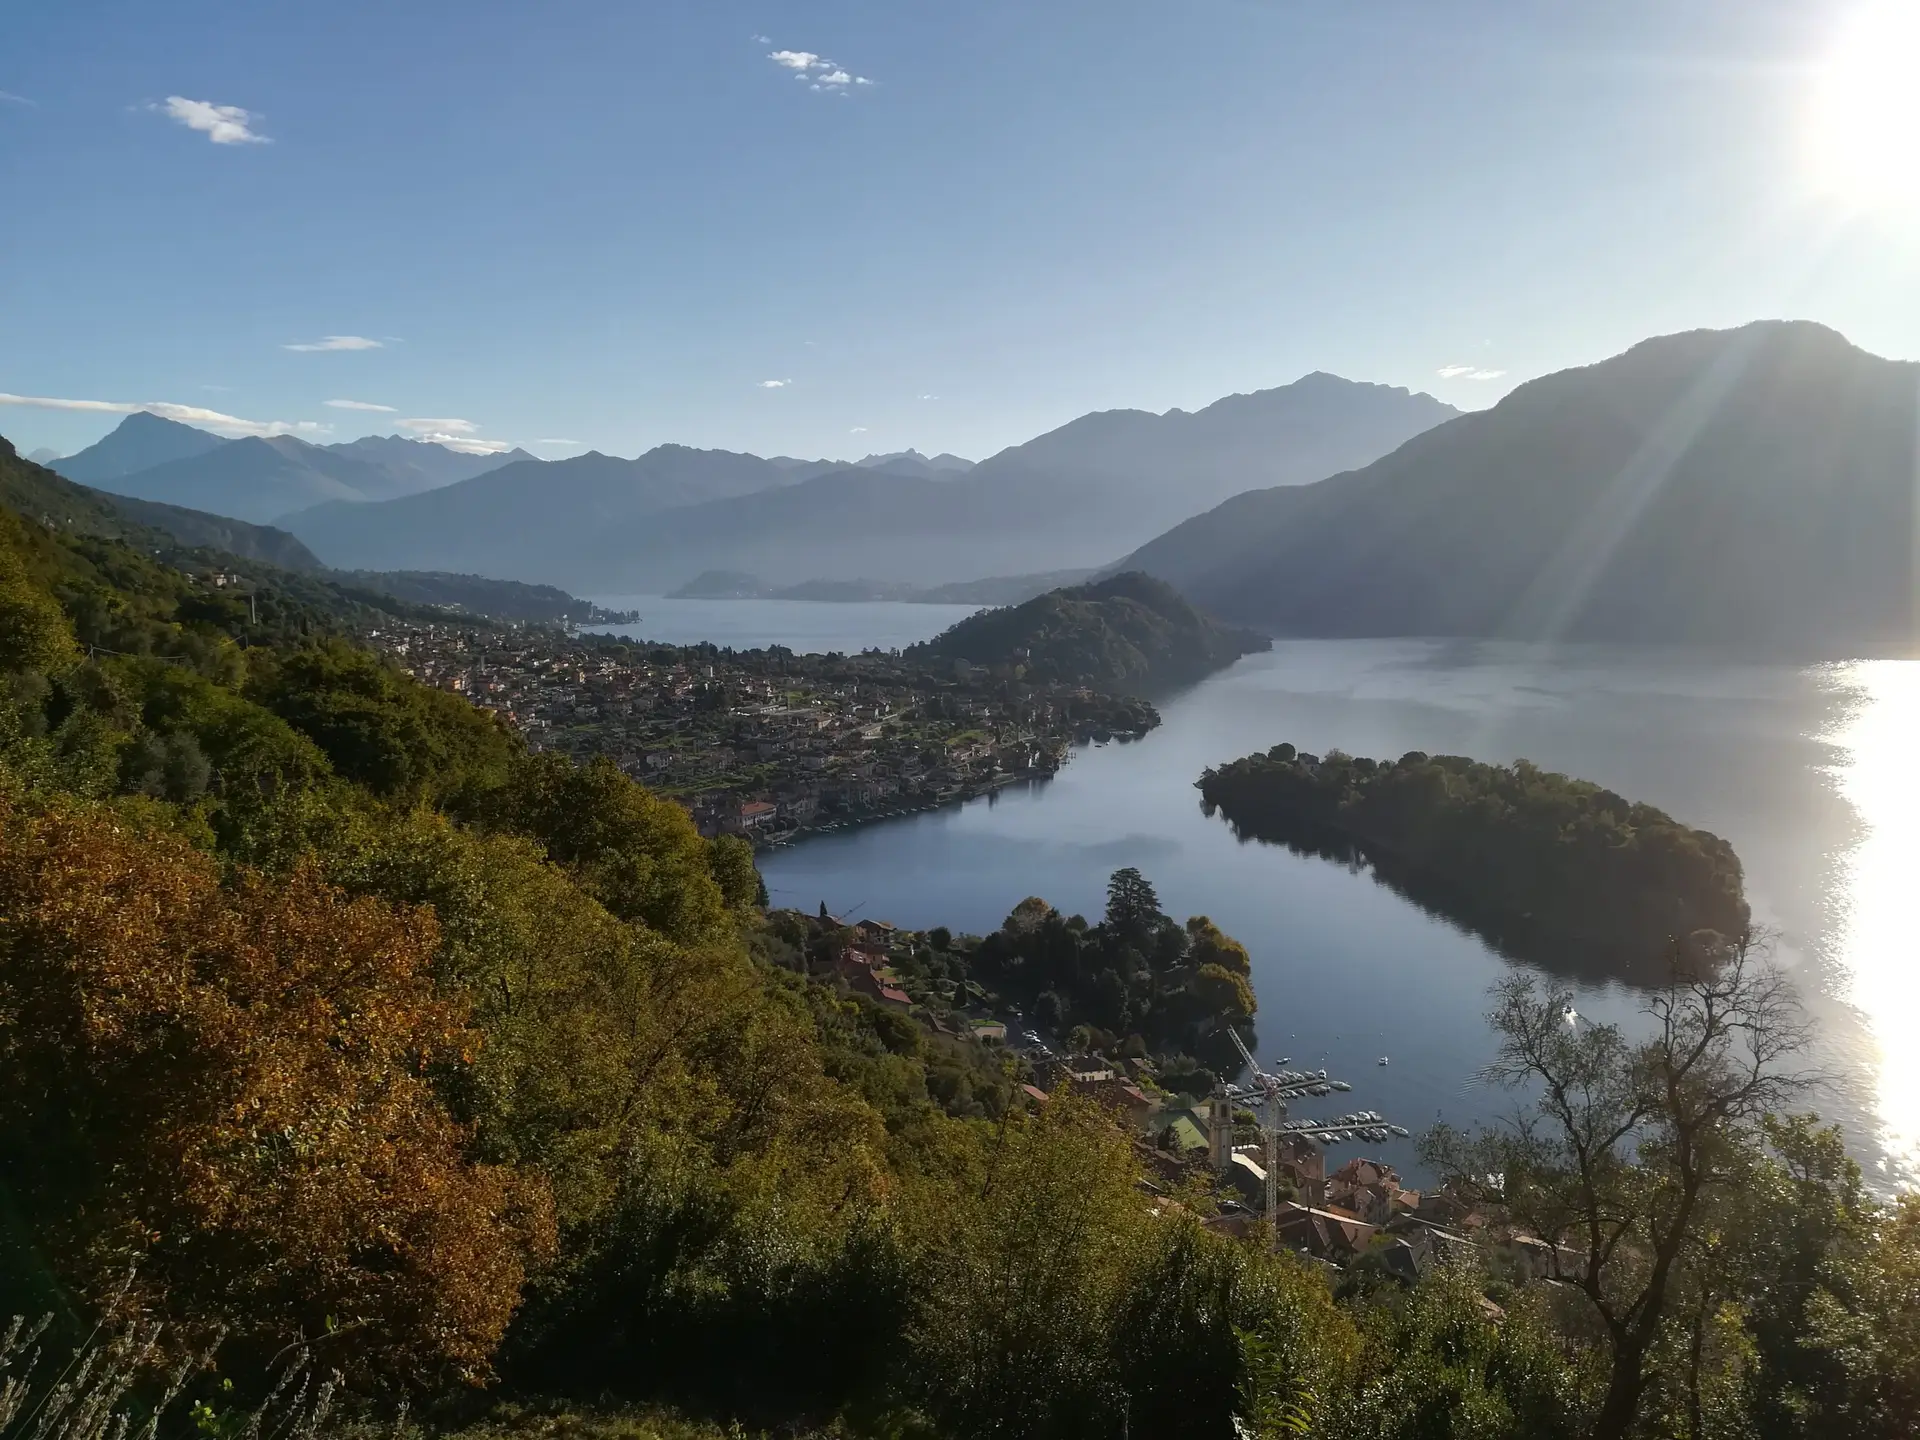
[[1128, 632], [346, 1041]]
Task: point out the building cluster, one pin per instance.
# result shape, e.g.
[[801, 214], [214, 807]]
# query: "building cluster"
[[764, 743], [1358, 1212]]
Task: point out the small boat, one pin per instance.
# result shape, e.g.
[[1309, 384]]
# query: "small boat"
[[1383, 1059]]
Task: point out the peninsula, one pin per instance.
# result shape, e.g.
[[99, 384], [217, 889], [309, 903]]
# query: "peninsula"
[[1552, 869], [768, 744], [1127, 633]]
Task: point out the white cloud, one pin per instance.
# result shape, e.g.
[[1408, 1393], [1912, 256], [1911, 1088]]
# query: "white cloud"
[[12, 99], [761, 40], [929, 397], [231, 425], [358, 405], [1486, 375], [222, 124], [575, 444], [442, 427], [1467, 372], [775, 384], [821, 73], [858, 430], [461, 435], [337, 342]]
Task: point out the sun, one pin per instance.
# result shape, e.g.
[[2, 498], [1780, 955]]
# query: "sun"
[[1864, 122]]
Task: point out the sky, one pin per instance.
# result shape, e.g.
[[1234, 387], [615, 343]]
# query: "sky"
[[828, 227]]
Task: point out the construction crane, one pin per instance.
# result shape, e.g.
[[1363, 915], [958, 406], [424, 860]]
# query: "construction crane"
[[1270, 1091]]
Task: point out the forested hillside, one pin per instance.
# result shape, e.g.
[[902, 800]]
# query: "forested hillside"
[[1128, 633], [349, 1046]]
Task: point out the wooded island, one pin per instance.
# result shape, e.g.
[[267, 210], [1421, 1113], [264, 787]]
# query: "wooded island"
[[1552, 868]]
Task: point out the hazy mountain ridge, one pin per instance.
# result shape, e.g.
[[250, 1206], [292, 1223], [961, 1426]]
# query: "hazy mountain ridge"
[[657, 522], [1743, 486], [259, 479], [523, 521]]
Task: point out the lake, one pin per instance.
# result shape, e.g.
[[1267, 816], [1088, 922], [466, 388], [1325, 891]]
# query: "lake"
[[1813, 772]]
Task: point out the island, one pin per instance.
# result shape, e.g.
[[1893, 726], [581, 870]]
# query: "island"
[[1128, 633], [1549, 869]]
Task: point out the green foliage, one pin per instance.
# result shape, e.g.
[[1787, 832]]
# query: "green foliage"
[[34, 633], [1136, 973], [731, 859], [1128, 633], [639, 855], [1547, 866], [399, 739]]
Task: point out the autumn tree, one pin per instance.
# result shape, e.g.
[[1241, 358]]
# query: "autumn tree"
[[227, 1086]]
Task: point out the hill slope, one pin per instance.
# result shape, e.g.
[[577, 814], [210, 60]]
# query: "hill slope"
[[1744, 486], [197, 529], [1129, 633]]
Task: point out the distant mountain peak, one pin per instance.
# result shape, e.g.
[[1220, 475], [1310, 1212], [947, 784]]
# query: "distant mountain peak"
[[138, 442], [912, 462]]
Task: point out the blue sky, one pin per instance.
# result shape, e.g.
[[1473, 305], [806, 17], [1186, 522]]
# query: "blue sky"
[[610, 223]]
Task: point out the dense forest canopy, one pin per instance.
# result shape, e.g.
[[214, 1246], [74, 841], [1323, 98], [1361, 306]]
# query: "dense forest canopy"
[[1129, 633], [342, 1035], [1537, 862]]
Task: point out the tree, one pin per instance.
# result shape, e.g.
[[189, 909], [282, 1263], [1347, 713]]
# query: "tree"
[[381, 728], [1132, 905], [34, 634], [635, 853], [731, 860], [230, 1084], [1629, 1146]]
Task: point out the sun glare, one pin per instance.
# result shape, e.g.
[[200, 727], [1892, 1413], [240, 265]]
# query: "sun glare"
[[1864, 133]]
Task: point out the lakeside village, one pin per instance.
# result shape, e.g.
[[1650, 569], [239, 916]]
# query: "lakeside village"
[[1203, 1152], [768, 743]]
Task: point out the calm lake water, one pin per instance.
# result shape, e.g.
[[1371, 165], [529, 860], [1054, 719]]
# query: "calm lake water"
[[1813, 772]]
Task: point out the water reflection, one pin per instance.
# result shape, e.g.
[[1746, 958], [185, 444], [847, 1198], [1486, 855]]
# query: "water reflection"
[[1879, 958], [1812, 773]]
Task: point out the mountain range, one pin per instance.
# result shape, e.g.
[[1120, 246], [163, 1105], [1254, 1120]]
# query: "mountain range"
[[1071, 499], [259, 479], [1747, 487]]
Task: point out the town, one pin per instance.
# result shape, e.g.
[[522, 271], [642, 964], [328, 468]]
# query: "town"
[[1196, 1151], [767, 743]]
